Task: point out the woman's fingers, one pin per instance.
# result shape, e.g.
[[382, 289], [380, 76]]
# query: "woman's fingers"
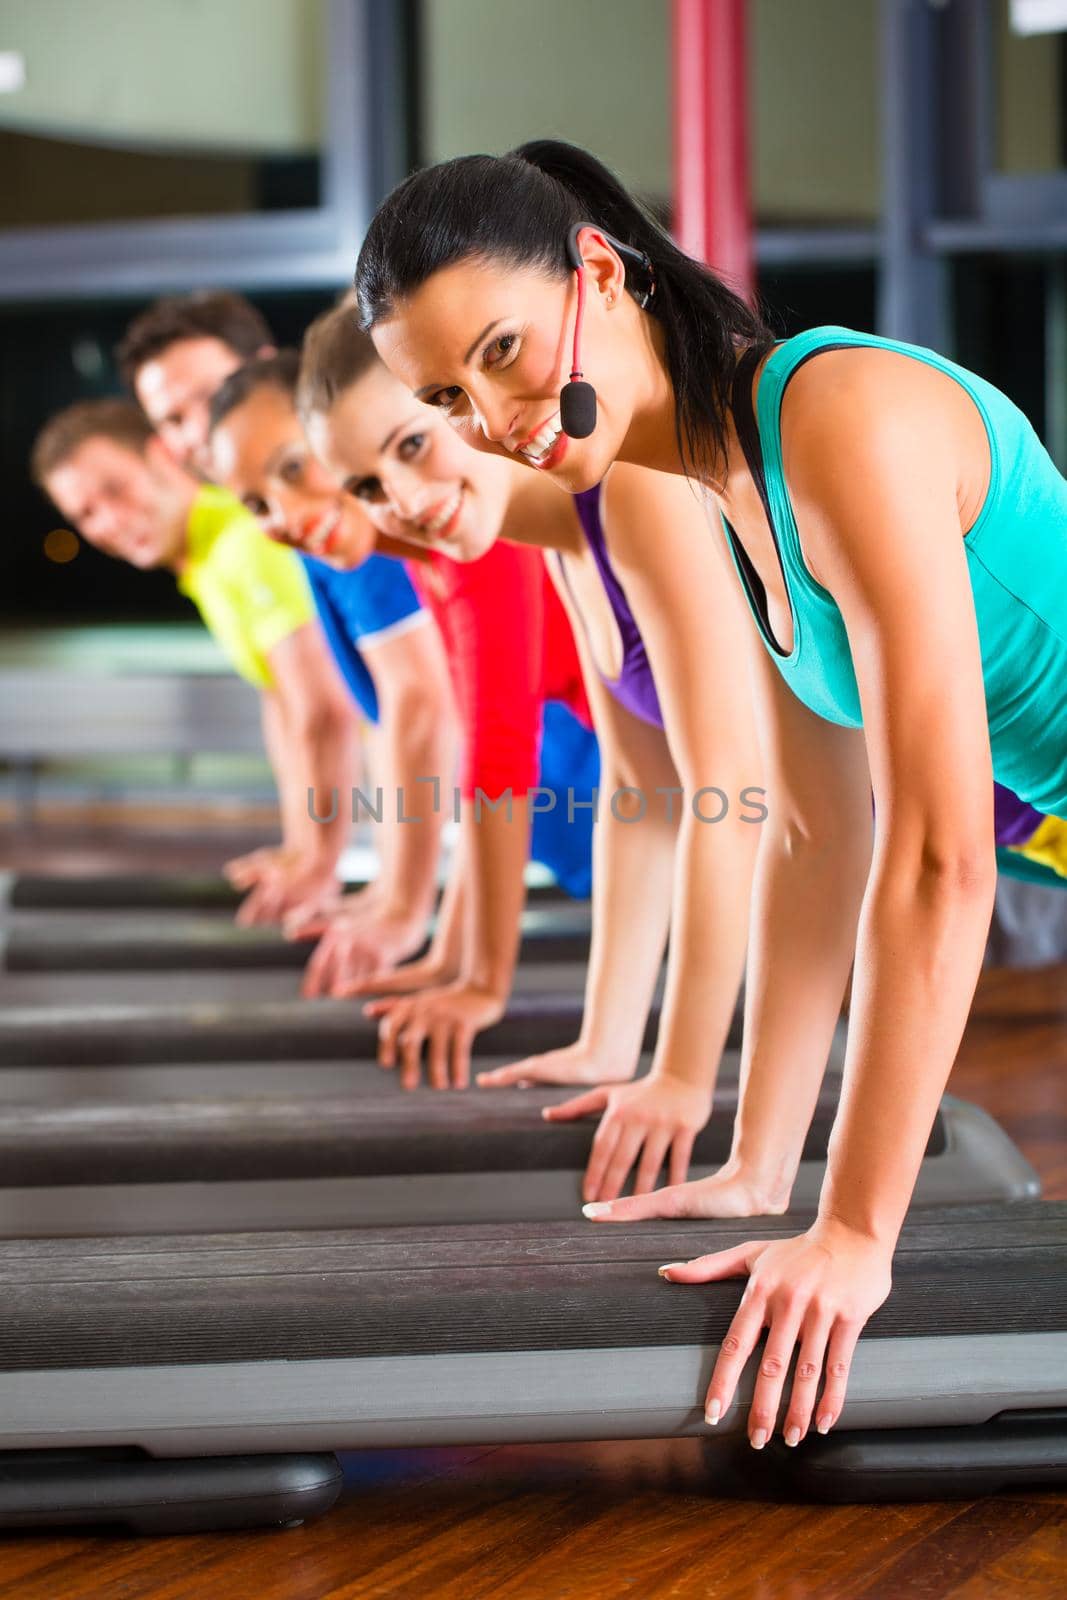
[[806, 1376], [583, 1105], [604, 1141], [526, 1071], [816, 1291], [308, 922], [349, 988], [783, 1325], [732, 1263], [437, 1055], [393, 1017], [626, 1151], [839, 1352], [462, 1043], [677, 1201], [741, 1339], [409, 1042], [651, 1162], [318, 974], [680, 1156], [398, 980]]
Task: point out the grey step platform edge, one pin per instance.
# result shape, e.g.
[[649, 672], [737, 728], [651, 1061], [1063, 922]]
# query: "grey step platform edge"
[[83, 942], [63, 1488], [101, 1035], [321, 1145], [414, 1336]]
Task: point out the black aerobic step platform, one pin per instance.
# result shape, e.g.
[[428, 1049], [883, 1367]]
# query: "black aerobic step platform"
[[127, 1489], [32, 891], [423, 1336], [285, 1030], [84, 942], [226, 987], [185, 1149]]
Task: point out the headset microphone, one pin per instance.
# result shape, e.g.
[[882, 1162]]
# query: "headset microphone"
[[577, 399]]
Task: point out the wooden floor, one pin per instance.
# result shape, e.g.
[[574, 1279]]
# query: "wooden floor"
[[646, 1520]]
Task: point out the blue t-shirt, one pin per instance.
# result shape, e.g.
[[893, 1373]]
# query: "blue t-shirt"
[[361, 608]]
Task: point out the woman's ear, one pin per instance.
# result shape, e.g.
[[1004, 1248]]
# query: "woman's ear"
[[604, 269]]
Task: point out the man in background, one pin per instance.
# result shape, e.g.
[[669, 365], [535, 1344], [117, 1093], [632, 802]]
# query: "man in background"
[[174, 357], [115, 481]]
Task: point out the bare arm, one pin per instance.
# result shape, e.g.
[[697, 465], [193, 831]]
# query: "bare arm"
[[317, 736], [410, 675], [888, 545], [811, 875], [310, 732], [633, 868], [696, 634], [362, 942]]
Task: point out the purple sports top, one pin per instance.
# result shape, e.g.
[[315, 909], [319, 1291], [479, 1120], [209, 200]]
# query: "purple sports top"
[[635, 687]]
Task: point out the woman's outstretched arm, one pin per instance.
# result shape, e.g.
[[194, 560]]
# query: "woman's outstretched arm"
[[885, 539]]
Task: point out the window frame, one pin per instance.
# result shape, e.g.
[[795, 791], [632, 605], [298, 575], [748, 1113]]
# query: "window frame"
[[365, 142]]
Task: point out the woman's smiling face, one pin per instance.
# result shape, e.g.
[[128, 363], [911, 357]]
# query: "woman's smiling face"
[[259, 452], [490, 347], [415, 479]]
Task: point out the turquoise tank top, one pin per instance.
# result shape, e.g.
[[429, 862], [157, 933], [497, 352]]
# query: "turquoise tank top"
[[1016, 556]]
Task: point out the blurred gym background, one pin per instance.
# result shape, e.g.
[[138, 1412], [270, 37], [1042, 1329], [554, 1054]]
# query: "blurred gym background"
[[905, 163]]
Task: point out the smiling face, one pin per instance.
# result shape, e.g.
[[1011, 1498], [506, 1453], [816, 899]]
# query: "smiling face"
[[259, 453], [490, 347], [118, 503], [416, 480], [175, 389]]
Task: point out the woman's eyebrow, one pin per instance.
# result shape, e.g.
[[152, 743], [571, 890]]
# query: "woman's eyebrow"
[[487, 329], [428, 388], [411, 423], [276, 455]]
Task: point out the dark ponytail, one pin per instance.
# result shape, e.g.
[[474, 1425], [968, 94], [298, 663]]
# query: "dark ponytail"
[[519, 209]]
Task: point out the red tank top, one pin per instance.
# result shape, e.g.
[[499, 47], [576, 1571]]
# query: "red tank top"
[[510, 648]]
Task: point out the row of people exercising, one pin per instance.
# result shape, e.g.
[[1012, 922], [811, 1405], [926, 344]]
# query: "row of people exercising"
[[849, 626]]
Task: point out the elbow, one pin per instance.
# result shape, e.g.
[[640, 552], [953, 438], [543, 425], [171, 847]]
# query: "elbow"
[[963, 868], [944, 870], [801, 837], [423, 715]]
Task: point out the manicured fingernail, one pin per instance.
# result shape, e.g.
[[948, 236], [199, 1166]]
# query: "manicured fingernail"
[[792, 1437], [665, 1272], [758, 1439], [713, 1413], [601, 1208], [825, 1422]]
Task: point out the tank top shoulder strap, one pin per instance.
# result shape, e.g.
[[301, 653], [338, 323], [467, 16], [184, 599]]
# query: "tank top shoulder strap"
[[760, 431]]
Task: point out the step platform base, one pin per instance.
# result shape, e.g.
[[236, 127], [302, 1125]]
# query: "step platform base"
[[1015, 1449], [147, 1495]]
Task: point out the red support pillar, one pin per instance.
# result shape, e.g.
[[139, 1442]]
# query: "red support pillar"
[[712, 198]]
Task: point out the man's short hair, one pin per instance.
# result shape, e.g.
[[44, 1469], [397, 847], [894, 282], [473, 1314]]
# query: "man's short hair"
[[278, 371], [119, 420], [208, 314]]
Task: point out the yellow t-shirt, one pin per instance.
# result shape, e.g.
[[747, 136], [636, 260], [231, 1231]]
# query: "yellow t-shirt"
[[250, 593]]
